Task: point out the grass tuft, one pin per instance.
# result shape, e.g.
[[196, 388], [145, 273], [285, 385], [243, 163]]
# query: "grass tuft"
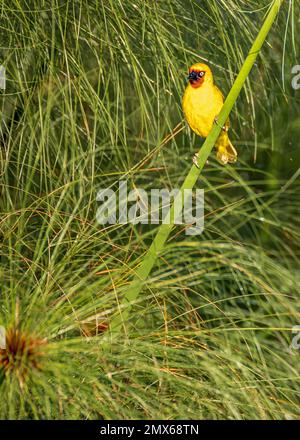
[[94, 96]]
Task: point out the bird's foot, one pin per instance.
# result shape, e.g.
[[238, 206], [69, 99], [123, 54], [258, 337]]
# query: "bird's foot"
[[195, 160], [224, 128]]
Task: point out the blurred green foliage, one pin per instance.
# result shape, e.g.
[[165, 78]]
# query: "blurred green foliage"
[[93, 89]]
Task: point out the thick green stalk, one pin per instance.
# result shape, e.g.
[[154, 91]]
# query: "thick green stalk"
[[164, 230]]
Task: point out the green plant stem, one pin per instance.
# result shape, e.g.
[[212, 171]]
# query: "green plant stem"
[[120, 318]]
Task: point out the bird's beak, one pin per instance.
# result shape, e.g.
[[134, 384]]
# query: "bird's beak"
[[192, 76]]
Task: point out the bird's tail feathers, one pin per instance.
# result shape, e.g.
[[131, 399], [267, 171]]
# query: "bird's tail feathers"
[[226, 153]]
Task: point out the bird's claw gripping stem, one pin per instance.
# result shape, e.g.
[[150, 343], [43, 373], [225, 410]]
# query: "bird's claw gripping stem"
[[195, 159], [224, 128]]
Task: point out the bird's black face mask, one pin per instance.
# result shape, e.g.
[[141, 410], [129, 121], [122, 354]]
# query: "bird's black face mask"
[[196, 78]]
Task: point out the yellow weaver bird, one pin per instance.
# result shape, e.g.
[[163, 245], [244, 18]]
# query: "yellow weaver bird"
[[202, 103]]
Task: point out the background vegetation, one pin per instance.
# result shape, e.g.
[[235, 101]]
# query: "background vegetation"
[[93, 96]]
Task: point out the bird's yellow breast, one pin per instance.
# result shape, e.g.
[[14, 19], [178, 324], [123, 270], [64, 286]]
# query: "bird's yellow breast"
[[201, 106]]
